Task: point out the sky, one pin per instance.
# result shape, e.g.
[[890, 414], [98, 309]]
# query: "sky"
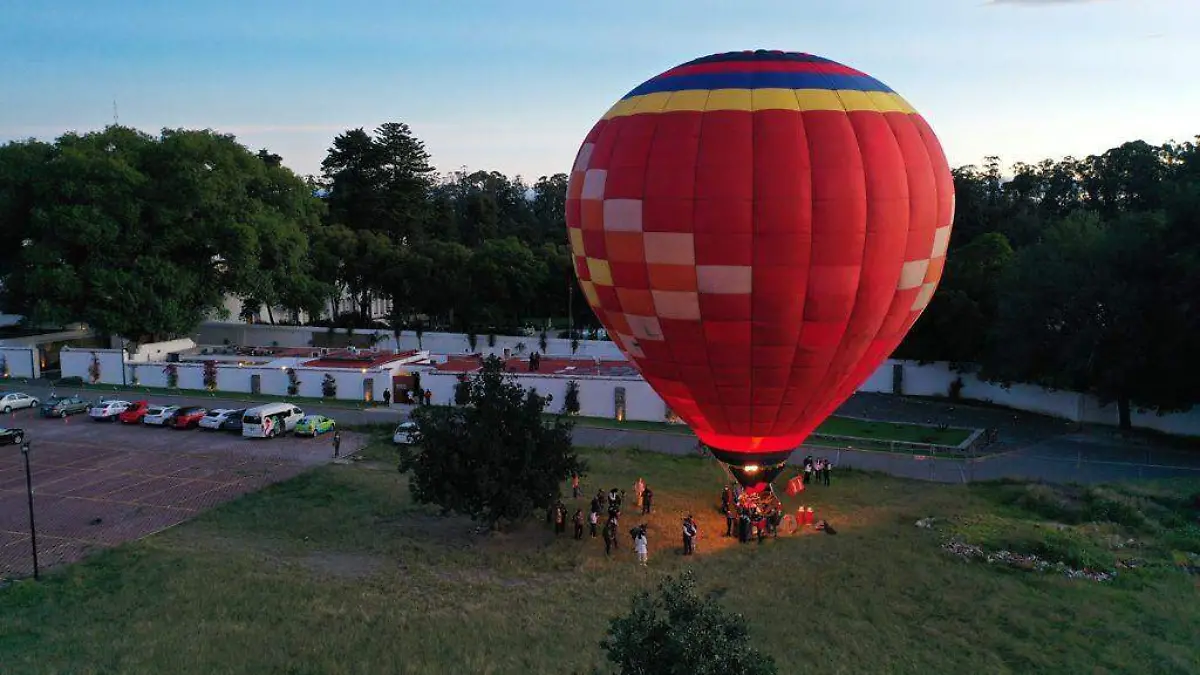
[[514, 86]]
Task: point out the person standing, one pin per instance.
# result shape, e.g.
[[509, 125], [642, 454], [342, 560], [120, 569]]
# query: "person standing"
[[647, 500], [578, 521], [560, 518], [387, 396], [574, 486], [638, 488], [825, 467], [730, 520], [689, 535], [641, 545], [593, 519], [337, 444], [726, 498], [610, 536]]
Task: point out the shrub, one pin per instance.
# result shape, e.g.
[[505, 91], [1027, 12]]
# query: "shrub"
[[94, 369], [210, 375], [571, 400], [329, 386], [678, 631], [172, 372], [293, 388]]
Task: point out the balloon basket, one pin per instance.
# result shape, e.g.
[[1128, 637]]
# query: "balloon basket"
[[755, 478]]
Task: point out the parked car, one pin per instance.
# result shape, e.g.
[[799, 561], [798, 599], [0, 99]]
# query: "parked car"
[[15, 401], [270, 420], [215, 417], [188, 417], [61, 406], [12, 436], [314, 425], [234, 421], [107, 411], [134, 413], [159, 415], [404, 433]]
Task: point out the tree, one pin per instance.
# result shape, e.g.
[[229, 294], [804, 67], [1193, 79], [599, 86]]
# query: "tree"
[[495, 460], [380, 182], [1091, 308], [144, 236], [571, 398], [505, 276], [679, 632]]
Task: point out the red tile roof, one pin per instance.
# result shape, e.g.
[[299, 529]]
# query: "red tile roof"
[[549, 366], [363, 359]]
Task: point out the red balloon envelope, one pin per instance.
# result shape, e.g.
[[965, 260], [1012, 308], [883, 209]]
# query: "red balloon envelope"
[[758, 231]]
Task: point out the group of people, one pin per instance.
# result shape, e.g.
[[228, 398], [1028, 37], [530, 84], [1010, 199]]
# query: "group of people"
[[751, 515], [816, 469], [611, 503]]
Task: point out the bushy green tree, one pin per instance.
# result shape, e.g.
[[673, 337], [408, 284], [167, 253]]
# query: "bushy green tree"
[[677, 632], [143, 236], [495, 460]]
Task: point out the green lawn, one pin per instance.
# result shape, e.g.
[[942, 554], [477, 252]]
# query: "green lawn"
[[337, 572], [879, 432]]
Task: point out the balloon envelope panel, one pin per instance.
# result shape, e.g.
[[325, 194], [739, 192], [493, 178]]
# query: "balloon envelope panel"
[[758, 231]]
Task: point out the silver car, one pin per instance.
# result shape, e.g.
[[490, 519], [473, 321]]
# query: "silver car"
[[15, 401]]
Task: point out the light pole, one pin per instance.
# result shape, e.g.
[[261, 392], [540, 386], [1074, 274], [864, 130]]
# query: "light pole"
[[29, 492]]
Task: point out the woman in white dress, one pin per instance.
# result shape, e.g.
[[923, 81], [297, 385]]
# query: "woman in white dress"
[[640, 545]]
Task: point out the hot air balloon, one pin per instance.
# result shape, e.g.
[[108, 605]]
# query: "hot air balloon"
[[758, 230]]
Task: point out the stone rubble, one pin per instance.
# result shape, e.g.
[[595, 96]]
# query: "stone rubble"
[[1026, 562]]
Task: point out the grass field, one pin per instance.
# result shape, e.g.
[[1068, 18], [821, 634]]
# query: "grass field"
[[337, 572], [880, 432]]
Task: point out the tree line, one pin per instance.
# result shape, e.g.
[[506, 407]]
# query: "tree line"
[[144, 235], [1077, 273]]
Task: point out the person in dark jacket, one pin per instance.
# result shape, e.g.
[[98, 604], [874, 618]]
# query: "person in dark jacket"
[[578, 520], [647, 499]]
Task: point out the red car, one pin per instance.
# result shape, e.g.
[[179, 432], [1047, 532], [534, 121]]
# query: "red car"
[[134, 413], [189, 417]]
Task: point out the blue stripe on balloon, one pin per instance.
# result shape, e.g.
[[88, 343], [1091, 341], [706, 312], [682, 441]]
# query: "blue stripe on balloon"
[[760, 80]]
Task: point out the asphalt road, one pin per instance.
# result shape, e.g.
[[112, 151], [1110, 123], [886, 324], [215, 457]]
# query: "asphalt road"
[[1033, 446]]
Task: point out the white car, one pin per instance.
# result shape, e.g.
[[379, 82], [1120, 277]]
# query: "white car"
[[215, 418], [159, 415], [404, 433], [107, 411], [16, 401]]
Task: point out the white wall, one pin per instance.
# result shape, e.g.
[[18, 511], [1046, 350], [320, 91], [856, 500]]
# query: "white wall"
[[21, 361], [261, 335], [230, 378], [76, 362], [934, 379], [596, 394]]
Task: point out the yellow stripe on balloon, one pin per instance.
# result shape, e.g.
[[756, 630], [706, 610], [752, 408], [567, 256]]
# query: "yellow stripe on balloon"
[[750, 100]]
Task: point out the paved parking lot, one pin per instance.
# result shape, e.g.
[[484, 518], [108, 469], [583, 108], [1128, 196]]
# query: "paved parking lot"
[[99, 484]]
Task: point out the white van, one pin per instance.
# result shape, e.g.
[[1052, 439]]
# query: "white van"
[[272, 419]]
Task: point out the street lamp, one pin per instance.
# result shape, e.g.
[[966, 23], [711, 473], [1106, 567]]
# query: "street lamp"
[[29, 492]]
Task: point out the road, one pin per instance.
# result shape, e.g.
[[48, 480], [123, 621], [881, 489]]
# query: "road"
[[1033, 446]]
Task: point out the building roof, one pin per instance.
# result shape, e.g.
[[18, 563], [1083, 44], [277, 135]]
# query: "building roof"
[[361, 359], [561, 366]]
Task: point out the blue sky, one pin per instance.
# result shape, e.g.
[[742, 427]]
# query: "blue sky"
[[514, 86]]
